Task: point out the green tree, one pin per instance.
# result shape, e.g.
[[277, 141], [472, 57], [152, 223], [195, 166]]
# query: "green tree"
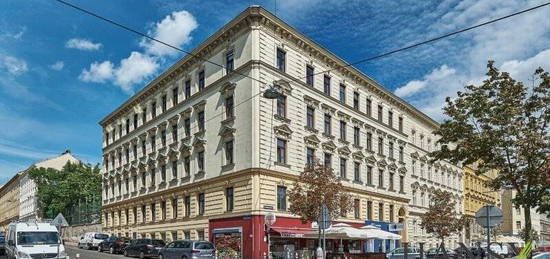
[[58, 190], [442, 218], [316, 186], [503, 125]]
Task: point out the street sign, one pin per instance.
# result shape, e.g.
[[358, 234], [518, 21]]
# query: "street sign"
[[270, 219], [325, 220], [60, 221], [495, 216]]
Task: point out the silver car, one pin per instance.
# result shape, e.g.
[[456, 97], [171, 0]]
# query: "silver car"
[[188, 249], [399, 253]]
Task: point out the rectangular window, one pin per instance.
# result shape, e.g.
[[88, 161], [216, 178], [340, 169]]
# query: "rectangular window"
[[390, 150], [369, 210], [127, 126], [163, 173], [163, 210], [187, 165], [201, 80], [400, 124], [174, 133], [343, 167], [143, 213], [390, 119], [401, 184], [326, 85], [310, 157], [356, 136], [392, 219], [200, 120], [120, 131], [281, 198], [328, 161], [369, 107], [357, 171], [229, 62], [187, 127], [143, 179], [281, 59], [310, 117], [200, 161], [175, 208], [369, 141], [229, 107], [229, 152], [153, 212], [135, 121], [356, 100], [187, 205], [380, 146], [281, 106], [187, 89], [154, 109], [342, 93], [391, 181], [174, 169], [343, 130], [163, 137], [380, 113], [134, 182], [200, 234], [153, 143], [309, 75], [143, 116], [163, 101], [369, 175], [357, 208], [401, 156], [127, 154], [281, 151], [380, 211], [107, 138], [201, 202], [328, 126], [380, 178], [174, 96], [229, 200]]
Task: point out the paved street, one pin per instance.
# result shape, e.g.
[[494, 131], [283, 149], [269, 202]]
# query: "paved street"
[[85, 254]]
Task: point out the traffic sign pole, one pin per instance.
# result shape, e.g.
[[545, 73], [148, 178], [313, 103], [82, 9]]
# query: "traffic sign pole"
[[488, 233]]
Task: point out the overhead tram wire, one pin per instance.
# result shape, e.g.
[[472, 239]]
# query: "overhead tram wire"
[[149, 37], [294, 80]]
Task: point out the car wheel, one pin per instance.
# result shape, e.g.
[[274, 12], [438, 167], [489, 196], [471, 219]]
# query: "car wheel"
[[112, 250], [141, 255], [99, 248]]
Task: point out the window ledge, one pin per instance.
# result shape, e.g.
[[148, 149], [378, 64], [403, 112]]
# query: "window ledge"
[[281, 118], [282, 164], [311, 129]]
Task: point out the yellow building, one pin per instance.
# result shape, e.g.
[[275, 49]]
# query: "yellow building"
[[477, 195], [9, 201]]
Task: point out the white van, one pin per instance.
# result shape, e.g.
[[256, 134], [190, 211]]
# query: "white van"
[[25, 240], [91, 240]]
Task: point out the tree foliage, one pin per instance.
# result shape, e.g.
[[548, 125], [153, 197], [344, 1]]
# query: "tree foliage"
[[442, 218], [316, 186], [57, 190], [503, 125]]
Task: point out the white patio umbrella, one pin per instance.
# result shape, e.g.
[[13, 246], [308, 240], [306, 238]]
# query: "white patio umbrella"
[[344, 231], [372, 232]]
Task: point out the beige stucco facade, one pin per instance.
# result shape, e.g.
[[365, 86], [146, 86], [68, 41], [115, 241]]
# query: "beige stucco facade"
[[514, 218], [9, 201], [154, 159]]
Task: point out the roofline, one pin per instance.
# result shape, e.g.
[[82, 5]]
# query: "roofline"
[[258, 10]]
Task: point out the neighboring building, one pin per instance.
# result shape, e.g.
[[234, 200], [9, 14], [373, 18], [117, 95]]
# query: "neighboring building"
[[476, 195], [9, 202], [514, 218], [28, 198], [198, 153], [544, 230]]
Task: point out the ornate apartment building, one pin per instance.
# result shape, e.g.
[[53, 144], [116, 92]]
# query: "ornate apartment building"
[[200, 153], [9, 201], [477, 195]]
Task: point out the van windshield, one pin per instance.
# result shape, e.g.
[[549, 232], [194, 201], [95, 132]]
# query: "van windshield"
[[37, 238], [101, 236]]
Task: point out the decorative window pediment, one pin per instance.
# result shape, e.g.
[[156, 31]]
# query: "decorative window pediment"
[[402, 143], [358, 155], [186, 113], [152, 130], [227, 131], [227, 89], [381, 132], [382, 163], [371, 159], [424, 158], [415, 185], [391, 137], [283, 130], [402, 170], [199, 142], [344, 116], [392, 167], [328, 108], [329, 145], [174, 119], [415, 155], [283, 86], [200, 105], [311, 101], [357, 122], [172, 153], [185, 148], [312, 141], [344, 151], [370, 128]]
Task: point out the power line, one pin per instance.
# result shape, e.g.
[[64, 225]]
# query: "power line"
[[147, 36], [431, 40]]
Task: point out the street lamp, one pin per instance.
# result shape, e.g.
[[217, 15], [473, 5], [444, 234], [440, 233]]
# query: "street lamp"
[[271, 93]]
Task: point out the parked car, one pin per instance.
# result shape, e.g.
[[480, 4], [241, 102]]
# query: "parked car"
[[144, 248], [113, 244], [433, 253], [544, 255], [188, 249], [91, 240], [399, 253], [2, 244]]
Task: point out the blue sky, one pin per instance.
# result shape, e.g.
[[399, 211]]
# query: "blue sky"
[[62, 71]]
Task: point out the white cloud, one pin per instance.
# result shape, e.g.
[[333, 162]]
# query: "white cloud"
[[417, 85], [524, 69], [174, 29], [82, 44], [13, 65], [98, 72], [57, 66]]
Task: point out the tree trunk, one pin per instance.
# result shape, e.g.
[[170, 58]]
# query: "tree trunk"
[[528, 226]]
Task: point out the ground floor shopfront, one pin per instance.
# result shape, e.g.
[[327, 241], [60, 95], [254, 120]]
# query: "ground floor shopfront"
[[287, 238]]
